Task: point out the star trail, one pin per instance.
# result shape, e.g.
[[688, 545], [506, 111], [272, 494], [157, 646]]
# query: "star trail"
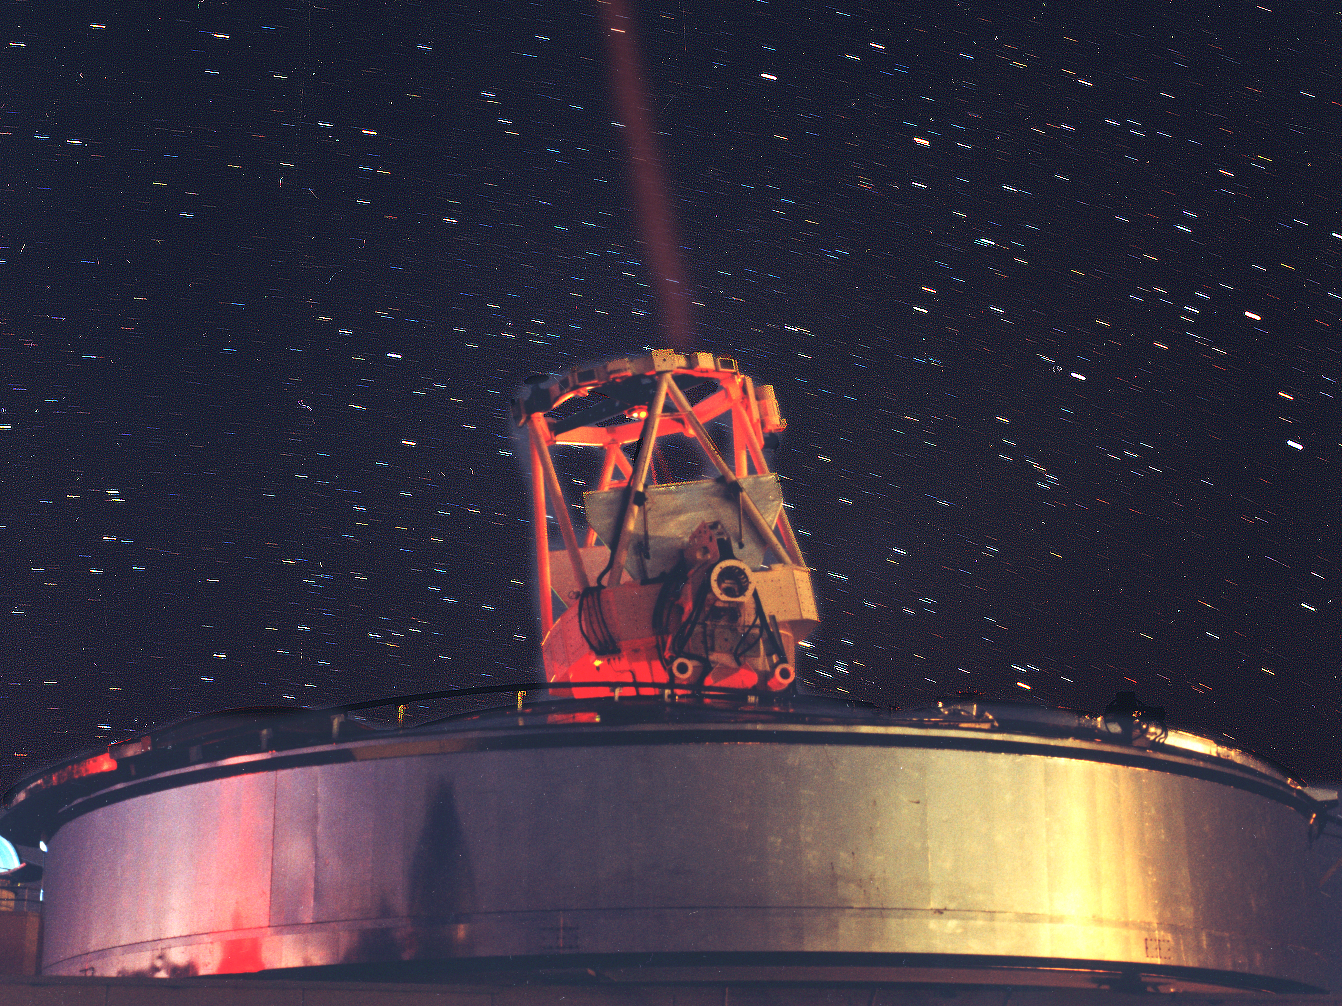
[[1052, 306]]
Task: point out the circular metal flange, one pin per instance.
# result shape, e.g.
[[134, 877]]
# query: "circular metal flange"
[[686, 669], [731, 582]]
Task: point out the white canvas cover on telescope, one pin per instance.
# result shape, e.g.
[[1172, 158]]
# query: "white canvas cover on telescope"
[[675, 509]]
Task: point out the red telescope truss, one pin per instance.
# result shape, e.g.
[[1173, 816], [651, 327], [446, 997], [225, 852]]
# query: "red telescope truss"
[[671, 582]]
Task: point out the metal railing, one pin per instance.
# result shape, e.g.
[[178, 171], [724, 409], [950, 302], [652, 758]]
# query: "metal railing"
[[20, 899]]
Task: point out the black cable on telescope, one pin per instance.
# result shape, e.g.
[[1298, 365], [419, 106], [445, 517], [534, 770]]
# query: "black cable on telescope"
[[596, 632]]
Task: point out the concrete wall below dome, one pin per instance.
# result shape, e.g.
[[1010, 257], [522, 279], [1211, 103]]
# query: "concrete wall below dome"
[[770, 845], [20, 940]]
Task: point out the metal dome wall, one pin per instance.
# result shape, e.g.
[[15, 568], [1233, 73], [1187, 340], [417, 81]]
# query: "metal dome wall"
[[766, 843]]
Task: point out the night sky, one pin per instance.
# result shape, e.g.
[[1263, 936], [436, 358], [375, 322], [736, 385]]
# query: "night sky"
[[1052, 305]]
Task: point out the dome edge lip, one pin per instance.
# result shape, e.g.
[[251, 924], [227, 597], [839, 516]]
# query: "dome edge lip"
[[50, 814]]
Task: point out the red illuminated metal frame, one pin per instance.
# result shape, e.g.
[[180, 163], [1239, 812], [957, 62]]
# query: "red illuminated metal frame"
[[753, 413]]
